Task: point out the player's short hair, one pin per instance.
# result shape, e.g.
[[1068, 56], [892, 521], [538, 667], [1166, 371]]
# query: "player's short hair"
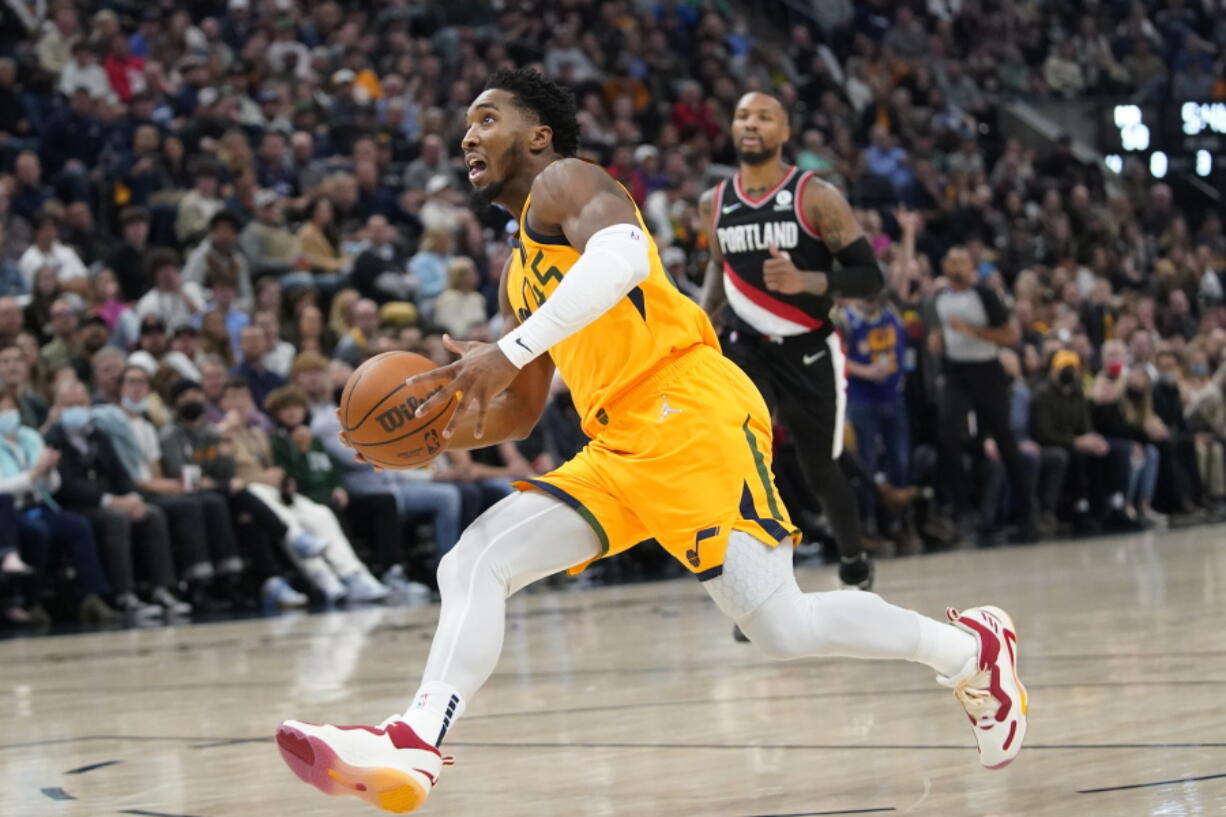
[[551, 103]]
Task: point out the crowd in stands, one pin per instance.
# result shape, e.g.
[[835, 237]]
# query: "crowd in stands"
[[209, 217]]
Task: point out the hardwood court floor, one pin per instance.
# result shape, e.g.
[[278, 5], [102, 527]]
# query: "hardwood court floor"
[[636, 701]]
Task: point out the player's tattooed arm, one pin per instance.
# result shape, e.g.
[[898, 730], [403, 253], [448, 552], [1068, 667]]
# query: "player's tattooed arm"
[[857, 273], [713, 297]]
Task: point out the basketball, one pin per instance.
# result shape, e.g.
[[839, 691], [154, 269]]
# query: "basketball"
[[378, 407]]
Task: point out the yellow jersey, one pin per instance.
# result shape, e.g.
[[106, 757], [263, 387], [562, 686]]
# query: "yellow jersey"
[[650, 327]]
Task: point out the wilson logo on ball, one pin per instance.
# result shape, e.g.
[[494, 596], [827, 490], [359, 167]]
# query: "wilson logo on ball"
[[396, 416]]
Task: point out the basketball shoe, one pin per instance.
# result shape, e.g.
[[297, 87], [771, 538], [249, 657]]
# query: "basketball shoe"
[[988, 687], [387, 765]]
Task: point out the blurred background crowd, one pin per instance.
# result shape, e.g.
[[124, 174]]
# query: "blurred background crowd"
[[211, 211]]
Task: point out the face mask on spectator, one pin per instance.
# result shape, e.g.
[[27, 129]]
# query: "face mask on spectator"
[[1068, 377], [1136, 393], [1199, 370], [1170, 377], [75, 418], [191, 411], [135, 406], [9, 421]]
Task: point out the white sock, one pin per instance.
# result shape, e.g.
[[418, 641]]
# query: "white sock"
[[435, 708], [944, 647]]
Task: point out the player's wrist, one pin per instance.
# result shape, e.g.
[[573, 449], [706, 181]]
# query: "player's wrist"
[[516, 349], [816, 283]]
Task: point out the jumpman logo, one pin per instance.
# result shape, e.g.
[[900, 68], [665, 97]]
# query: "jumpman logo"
[[666, 410]]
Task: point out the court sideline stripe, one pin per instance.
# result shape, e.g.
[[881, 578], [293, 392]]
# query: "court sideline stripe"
[[831, 813], [203, 742], [92, 766], [1155, 783]]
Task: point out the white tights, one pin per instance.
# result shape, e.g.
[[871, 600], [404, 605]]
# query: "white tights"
[[528, 536]]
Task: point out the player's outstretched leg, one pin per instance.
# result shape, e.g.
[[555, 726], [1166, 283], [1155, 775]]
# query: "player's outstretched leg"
[[394, 765], [976, 657]]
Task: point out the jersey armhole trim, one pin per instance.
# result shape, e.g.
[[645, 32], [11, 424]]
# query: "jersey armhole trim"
[[800, 206], [542, 238]]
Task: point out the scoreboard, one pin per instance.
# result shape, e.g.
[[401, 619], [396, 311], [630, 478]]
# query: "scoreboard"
[[1177, 137]]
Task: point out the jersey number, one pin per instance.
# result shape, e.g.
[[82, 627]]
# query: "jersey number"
[[535, 290]]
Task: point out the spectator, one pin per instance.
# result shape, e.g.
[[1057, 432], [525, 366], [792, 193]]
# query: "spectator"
[[217, 260], [460, 307], [428, 269], [310, 376], [318, 244], [194, 504], [1045, 466], [119, 318], [310, 334], [1180, 482], [197, 208], [302, 455], [321, 548], [1123, 410], [173, 301], [59, 36], [15, 376], [84, 72], [47, 251], [188, 445], [29, 477], [876, 351], [1060, 418], [95, 485], [269, 247], [254, 346], [380, 270], [216, 339], [185, 354], [31, 193], [107, 364], [432, 162], [63, 350], [355, 345]]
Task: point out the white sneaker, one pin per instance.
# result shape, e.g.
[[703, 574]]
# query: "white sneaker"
[[362, 586], [320, 574], [988, 687], [174, 607], [388, 765], [398, 582], [131, 606], [277, 592]]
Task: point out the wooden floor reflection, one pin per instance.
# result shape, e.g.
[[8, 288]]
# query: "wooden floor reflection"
[[636, 701]]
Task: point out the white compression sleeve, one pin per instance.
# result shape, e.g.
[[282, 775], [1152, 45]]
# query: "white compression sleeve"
[[613, 263]]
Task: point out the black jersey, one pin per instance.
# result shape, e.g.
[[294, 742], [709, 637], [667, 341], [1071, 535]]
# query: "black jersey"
[[745, 229]]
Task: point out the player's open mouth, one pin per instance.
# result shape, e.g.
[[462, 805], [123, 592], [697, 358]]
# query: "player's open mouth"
[[476, 167], [750, 141]]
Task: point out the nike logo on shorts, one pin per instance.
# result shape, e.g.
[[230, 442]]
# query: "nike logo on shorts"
[[809, 360]]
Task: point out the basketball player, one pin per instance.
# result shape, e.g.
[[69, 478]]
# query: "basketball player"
[[775, 235], [680, 451]]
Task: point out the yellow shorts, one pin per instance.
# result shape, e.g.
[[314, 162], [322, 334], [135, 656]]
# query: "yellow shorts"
[[684, 460]]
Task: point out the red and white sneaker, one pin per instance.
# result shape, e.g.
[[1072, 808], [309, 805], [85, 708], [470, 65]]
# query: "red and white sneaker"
[[387, 765], [988, 688]]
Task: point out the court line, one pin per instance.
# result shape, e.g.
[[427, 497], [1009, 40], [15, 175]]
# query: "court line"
[[831, 813], [209, 742], [838, 747], [145, 813], [1155, 783], [92, 766]]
